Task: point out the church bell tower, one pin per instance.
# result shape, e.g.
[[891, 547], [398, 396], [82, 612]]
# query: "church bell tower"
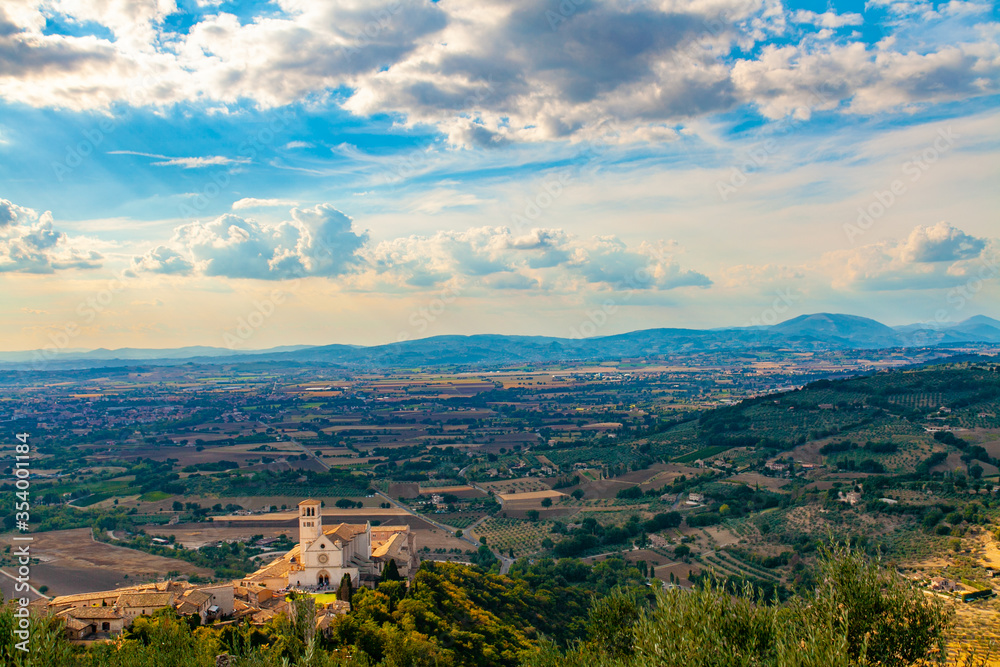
[[310, 521]]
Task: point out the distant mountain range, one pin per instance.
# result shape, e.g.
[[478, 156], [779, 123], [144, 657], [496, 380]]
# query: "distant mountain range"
[[817, 332]]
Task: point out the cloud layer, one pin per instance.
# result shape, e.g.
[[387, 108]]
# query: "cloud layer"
[[487, 73], [322, 242]]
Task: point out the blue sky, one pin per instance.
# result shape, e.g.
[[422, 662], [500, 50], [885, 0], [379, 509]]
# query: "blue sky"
[[365, 172]]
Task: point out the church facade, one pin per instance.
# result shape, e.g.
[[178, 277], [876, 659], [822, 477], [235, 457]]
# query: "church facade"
[[324, 555]]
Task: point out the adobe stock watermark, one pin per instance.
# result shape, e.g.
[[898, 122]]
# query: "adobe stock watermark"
[[261, 312], [598, 317], [713, 27], [957, 298], [88, 309], [93, 138], [566, 9], [758, 155], [782, 303], [914, 168], [247, 150], [552, 187], [419, 160], [22, 516], [960, 296], [372, 29], [423, 316]]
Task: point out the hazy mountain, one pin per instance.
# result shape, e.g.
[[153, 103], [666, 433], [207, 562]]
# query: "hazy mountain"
[[979, 329], [838, 329], [133, 353], [816, 332]]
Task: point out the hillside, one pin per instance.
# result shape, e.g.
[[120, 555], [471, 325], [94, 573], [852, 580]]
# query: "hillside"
[[816, 332]]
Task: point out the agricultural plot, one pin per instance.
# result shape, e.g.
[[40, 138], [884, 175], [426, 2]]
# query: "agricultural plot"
[[458, 519], [757, 480], [517, 535], [530, 498], [72, 562], [702, 454], [513, 486]]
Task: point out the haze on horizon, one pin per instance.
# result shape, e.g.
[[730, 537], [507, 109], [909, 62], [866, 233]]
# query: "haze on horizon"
[[364, 172]]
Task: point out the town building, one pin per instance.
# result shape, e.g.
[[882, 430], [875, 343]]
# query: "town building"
[[324, 555], [106, 613]]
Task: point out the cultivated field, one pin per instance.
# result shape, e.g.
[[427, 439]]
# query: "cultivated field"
[[72, 562]]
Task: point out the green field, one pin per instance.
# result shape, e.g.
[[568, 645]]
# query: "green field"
[[706, 453], [154, 496]]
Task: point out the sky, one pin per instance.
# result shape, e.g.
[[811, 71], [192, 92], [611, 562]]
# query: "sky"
[[256, 174]]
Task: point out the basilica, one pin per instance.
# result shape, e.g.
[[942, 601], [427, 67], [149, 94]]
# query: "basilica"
[[324, 555]]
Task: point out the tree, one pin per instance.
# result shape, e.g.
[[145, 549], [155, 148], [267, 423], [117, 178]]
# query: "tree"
[[391, 571], [577, 493], [885, 619], [346, 589], [532, 515], [546, 502], [484, 557], [611, 624]]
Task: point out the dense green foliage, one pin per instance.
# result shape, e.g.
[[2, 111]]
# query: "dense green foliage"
[[858, 616], [545, 615]]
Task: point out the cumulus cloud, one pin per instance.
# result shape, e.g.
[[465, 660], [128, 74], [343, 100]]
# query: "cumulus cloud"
[[494, 72], [801, 78], [29, 243], [827, 19], [317, 241], [321, 241], [930, 257], [549, 259], [941, 243], [162, 259]]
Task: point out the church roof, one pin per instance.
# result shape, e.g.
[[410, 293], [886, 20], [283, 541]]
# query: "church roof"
[[346, 531], [310, 501], [279, 567], [391, 529], [390, 547]]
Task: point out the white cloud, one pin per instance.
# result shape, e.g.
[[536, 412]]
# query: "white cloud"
[[253, 202], [549, 259], [941, 243], [186, 162], [317, 241], [930, 258], [30, 244], [827, 19], [321, 241]]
